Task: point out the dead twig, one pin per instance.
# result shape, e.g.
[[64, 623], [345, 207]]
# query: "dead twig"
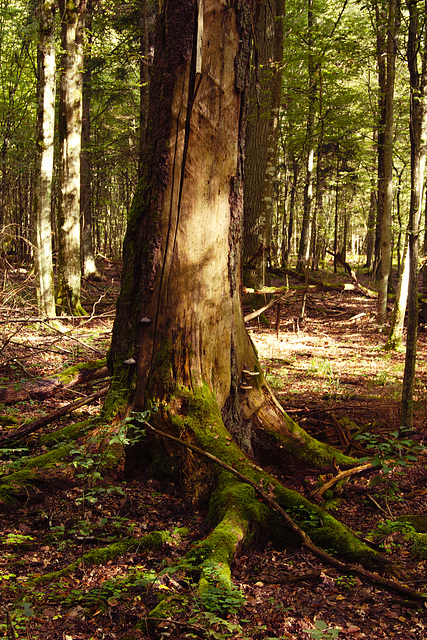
[[318, 493]]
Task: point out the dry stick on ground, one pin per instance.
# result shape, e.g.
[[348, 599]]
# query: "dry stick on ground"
[[82, 319], [375, 578], [41, 389], [317, 493], [255, 314], [66, 335], [25, 430]]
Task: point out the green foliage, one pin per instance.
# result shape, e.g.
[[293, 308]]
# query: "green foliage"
[[346, 582], [217, 597], [397, 449], [322, 631], [386, 527], [392, 534], [15, 539], [305, 518]]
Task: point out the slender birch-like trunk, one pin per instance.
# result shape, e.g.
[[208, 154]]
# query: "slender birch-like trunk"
[[417, 64], [46, 86], [386, 185], [70, 130]]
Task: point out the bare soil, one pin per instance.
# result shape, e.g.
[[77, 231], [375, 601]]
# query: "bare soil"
[[325, 368]]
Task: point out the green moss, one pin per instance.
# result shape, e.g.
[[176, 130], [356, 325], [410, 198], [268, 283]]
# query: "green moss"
[[8, 420], [161, 383], [200, 415], [233, 492], [15, 485], [68, 433], [14, 488], [166, 609], [154, 540], [71, 373], [325, 531], [220, 545], [418, 522], [308, 450], [49, 459], [418, 543]]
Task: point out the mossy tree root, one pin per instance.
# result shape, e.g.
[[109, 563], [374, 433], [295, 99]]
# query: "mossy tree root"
[[153, 540], [44, 470], [237, 511]]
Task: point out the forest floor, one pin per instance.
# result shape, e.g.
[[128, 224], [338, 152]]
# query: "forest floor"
[[326, 368]]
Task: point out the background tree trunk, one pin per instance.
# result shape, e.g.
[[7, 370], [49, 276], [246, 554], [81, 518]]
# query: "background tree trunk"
[[70, 124], [261, 141], [46, 86], [417, 64], [386, 184], [304, 245], [88, 256], [395, 336]]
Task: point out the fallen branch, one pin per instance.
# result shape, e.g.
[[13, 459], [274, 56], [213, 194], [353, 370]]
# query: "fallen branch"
[[317, 493], [306, 541], [25, 430], [42, 388], [268, 290]]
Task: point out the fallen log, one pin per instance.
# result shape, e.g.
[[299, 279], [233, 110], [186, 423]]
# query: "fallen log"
[[31, 427], [42, 388]]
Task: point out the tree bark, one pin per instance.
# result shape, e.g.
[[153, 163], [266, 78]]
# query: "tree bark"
[[417, 64], [304, 245], [46, 89], [179, 340], [261, 141], [70, 124], [395, 336], [88, 255], [386, 184]]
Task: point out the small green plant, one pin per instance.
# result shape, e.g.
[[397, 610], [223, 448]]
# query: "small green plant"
[[323, 632], [387, 527], [218, 598], [346, 582], [304, 517], [397, 449], [392, 534], [321, 367], [215, 627], [14, 539]]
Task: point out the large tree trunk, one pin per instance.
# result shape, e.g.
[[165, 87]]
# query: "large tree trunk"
[[44, 157], [70, 125], [179, 339]]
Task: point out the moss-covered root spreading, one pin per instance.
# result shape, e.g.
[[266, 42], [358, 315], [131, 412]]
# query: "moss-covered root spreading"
[[154, 540], [267, 417], [213, 555], [200, 419]]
